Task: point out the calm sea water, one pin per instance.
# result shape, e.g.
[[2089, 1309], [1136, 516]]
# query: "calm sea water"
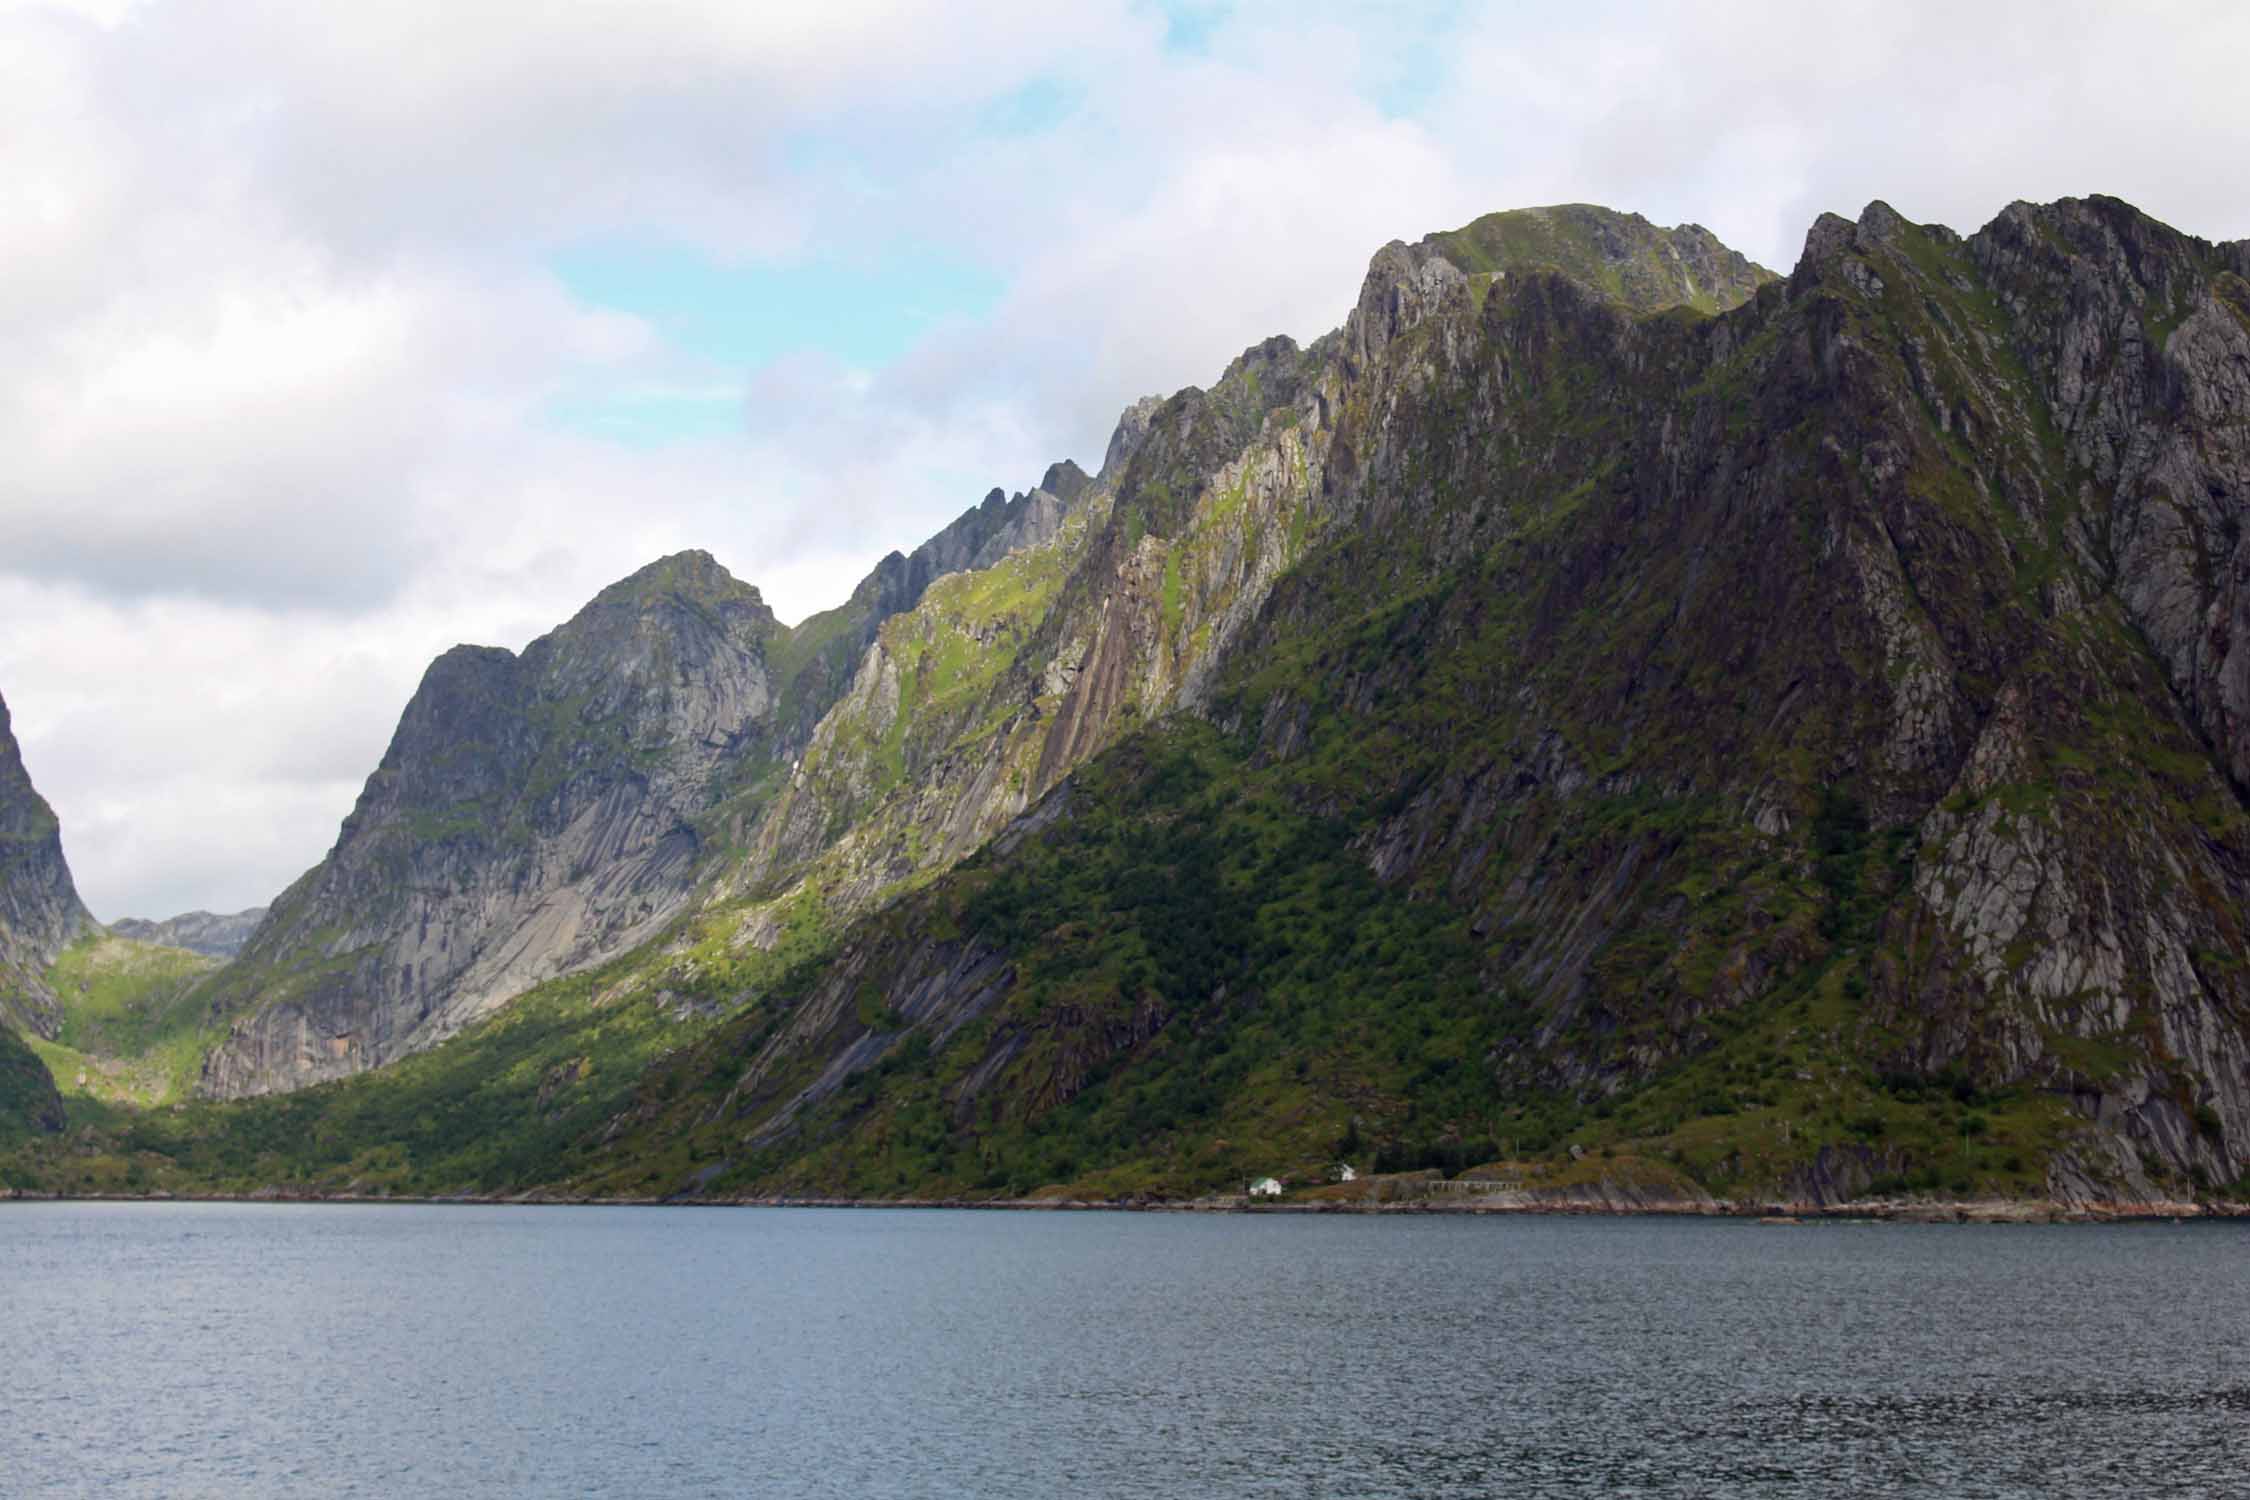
[[180, 1350]]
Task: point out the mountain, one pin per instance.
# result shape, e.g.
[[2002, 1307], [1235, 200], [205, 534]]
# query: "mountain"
[[208, 933], [1800, 747], [535, 814], [1606, 714], [39, 914]]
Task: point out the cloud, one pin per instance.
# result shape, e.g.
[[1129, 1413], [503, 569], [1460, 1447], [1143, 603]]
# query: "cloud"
[[315, 367], [1754, 117]]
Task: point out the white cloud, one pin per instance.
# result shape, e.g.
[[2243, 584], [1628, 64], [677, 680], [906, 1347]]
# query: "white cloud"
[[283, 356]]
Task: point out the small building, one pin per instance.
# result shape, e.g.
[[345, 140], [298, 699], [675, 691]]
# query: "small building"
[[1265, 1187], [1344, 1173]]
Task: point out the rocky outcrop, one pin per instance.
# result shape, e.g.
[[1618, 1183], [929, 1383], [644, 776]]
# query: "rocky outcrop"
[[1621, 257], [822, 654], [40, 914], [978, 539], [2140, 337], [39, 907], [533, 813], [209, 933]]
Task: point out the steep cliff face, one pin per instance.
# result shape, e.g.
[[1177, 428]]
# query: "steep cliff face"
[[537, 813], [1817, 672], [533, 812], [39, 915], [1807, 738], [39, 907]]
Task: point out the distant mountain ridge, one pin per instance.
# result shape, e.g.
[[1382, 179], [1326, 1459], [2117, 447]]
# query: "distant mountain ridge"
[[210, 933]]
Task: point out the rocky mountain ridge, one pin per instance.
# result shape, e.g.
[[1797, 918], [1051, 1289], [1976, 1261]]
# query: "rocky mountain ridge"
[[536, 814], [1543, 653], [1778, 735], [213, 934]]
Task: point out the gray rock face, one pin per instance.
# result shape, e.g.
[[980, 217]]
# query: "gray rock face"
[[1203, 501], [978, 539], [210, 933], [39, 907], [532, 814], [1066, 481], [2142, 339], [826, 649], [1125, 439], [538, 813]]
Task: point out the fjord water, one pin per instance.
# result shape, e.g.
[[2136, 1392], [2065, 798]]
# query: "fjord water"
[[206, 1349]]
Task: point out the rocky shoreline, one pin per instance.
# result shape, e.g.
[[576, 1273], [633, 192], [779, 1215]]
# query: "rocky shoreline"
[[1577, 1205]]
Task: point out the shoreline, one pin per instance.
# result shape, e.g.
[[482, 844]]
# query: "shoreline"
[[1768, 1212]]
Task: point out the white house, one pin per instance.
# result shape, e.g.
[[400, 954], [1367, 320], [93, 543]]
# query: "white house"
[[1344, 1173], [1265, 1187]]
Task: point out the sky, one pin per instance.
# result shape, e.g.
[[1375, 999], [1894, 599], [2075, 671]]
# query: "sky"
[[334, 335]]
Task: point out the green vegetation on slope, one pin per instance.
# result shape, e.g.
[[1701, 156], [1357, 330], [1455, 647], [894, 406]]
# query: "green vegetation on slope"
[[28, 1102], [132, 1029], [1622, 256]]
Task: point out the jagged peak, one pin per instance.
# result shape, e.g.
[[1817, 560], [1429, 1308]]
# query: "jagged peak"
[[1833, 237], [466, 655], [1618, 254], [2104, 227], [693, 575], [1880, 221], [1265, 352], [692, 578], [1126, 438], [1066, 481]]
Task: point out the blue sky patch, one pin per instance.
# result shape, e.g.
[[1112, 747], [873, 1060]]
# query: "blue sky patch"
[[740, 317], [1188, 24], [648, 419], [1038, 106], [863, 313]]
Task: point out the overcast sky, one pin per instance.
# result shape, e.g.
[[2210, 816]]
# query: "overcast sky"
[[334, 334]]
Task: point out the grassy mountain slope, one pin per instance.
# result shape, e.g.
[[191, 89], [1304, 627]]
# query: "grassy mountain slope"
[[134, 1028]]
